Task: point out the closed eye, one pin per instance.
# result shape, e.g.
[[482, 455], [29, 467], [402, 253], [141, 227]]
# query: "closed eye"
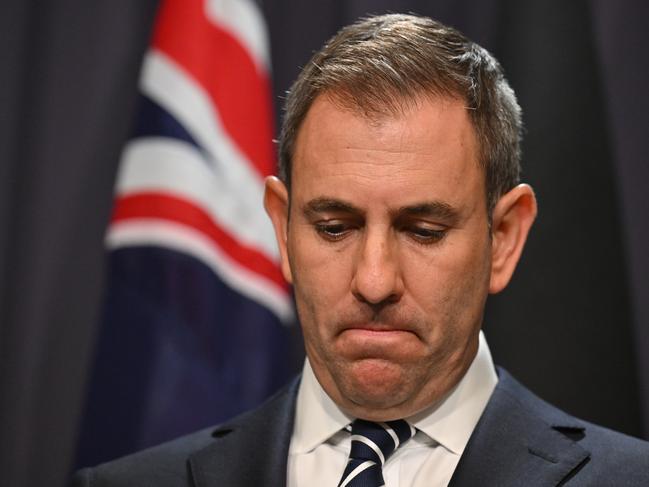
[[333, 230], [425, 235]]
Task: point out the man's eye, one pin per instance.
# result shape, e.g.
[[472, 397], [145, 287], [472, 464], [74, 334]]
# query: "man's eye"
[[426, 235], [332, 231]]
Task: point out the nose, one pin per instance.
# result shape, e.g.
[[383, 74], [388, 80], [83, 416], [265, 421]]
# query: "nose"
[[377, 275]]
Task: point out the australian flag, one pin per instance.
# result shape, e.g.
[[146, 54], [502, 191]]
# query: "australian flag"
[[197, 314]]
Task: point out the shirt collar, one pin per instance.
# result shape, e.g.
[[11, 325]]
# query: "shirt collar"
[[449, 423], [317, 417], [452, 421]]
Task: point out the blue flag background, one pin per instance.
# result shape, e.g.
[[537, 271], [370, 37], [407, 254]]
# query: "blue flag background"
[[197, 318]]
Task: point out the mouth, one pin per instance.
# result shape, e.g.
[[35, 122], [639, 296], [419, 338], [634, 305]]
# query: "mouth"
[[375, 331], [371, 341], [377, 327], [389, 341]]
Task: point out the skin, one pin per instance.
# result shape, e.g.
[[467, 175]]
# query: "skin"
[[387, 244]]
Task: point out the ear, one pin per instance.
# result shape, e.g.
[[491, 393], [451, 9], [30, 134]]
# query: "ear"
[[511, 222], [276, 204]]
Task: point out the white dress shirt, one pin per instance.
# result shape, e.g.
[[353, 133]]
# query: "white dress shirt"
[[320, 446]]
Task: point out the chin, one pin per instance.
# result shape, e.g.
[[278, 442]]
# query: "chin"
[[376, 384]]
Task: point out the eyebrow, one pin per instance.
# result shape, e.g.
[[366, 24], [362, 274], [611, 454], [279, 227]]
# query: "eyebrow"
[[434, 209], [329, 205]]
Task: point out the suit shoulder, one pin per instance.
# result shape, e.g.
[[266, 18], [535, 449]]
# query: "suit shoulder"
[[160, 466], [167, 465], [617, 452], [610, 453], [614, 459]]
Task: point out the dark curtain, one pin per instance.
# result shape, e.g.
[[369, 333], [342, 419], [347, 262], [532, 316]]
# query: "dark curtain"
[[67, 82], [574, 324]]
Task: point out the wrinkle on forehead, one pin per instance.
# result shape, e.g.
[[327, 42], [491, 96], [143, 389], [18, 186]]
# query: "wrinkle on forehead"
[[389, 127], [433, 148]]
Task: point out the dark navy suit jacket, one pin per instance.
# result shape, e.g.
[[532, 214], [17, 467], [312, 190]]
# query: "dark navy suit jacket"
[[520, 440]]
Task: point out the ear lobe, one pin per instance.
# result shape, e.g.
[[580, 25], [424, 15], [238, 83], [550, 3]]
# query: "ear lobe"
[[512, 219], [276, 204]]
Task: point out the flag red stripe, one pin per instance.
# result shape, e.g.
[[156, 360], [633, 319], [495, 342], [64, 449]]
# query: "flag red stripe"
[[165, 207], [219, 62]]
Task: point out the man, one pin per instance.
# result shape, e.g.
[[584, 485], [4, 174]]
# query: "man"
[[398, 211]]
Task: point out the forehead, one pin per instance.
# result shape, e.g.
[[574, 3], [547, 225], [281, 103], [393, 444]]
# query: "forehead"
[[426, 151]]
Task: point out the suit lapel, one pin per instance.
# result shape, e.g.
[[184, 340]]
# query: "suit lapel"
[[252, 449], [518, 442]]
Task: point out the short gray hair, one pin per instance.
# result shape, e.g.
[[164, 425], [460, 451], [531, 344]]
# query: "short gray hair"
[[379, 64]]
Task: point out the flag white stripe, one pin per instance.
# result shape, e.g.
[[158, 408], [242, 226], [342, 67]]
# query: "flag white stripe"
[[176, 167], [371, 444], [362, 467], [170, 87], [191, 242], [244, 21]]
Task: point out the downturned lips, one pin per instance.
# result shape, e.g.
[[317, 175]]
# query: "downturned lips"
[[376, 330], [378, 327]]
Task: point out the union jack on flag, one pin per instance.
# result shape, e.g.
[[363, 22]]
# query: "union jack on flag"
[[196, 313]]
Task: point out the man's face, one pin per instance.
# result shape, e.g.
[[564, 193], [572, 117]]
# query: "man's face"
[[387, 245]]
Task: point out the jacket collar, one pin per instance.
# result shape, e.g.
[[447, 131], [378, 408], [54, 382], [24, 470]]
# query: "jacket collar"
[[520, 440], [250, 450]]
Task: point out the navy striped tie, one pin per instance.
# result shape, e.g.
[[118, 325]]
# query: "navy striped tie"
[[372, 444]]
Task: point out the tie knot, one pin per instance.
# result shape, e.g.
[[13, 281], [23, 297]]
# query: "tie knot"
[[377, 441]]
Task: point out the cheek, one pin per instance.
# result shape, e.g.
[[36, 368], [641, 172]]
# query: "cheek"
[[317, 268], [320, 278], [470, 280], [450, 285]]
